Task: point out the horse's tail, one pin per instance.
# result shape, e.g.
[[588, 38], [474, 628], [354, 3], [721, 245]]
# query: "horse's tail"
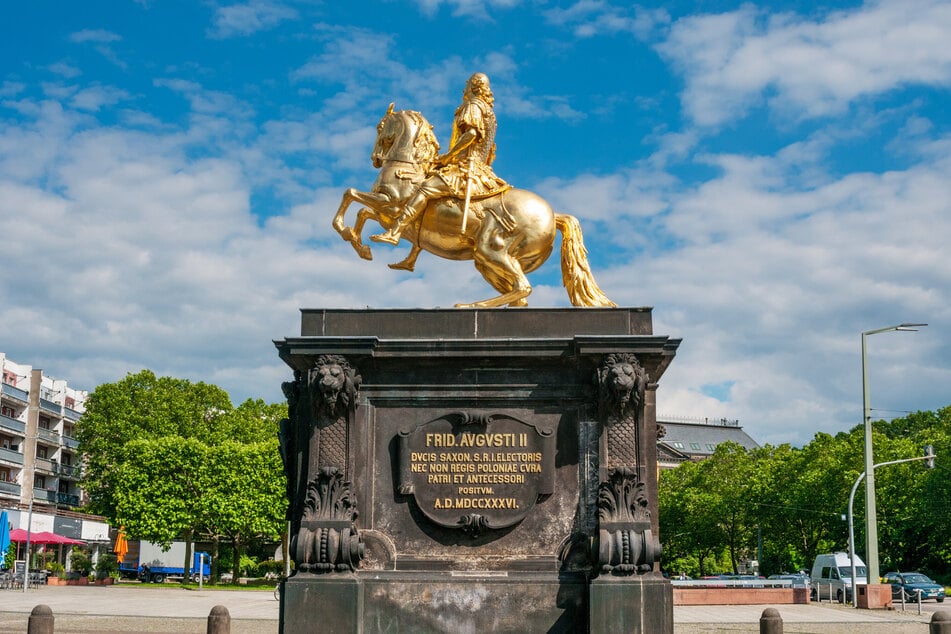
[[576, 275]]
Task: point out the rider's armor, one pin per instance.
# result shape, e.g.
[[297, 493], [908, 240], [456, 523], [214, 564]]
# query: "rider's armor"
[[471, 167]]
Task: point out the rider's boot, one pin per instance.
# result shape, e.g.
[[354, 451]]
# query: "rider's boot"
[[409, 213]]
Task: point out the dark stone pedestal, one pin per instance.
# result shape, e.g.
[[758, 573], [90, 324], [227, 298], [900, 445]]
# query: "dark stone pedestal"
[[474, 470], [652, 601]]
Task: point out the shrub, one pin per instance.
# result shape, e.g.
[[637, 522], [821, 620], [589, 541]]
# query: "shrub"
[[248, 566], [80, 562], [107, 566], [271, 567], [55, 568]]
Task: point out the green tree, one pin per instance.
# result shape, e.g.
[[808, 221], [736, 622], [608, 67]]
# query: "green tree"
[[168, 458], [142, 407], [795, 498], [248, 501]]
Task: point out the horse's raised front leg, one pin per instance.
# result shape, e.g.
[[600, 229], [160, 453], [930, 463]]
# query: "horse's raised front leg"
[[352, 234], [357, 234]]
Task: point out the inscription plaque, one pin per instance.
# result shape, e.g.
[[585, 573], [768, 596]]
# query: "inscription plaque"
[[476, 470]]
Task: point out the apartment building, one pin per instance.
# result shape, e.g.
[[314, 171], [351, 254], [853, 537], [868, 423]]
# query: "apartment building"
[[39, 460]]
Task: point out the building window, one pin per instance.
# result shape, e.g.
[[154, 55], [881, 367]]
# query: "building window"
[[695, 446], [8, 412], [10, 378], [41, 452], [678, 445], [711, 447], [66, 459], [39, 482], [5, 442], [70, 402], [44, 422], [4, 475]]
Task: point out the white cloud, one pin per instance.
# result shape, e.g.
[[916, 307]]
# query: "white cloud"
[[100, 36], [478, 9], [771, 284], [806, 67], [64, 69], [593, 18], [249, 17], [103, 39]]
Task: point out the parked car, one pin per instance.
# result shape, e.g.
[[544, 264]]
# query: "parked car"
[[910, 583], [832, 576], [799, 580]]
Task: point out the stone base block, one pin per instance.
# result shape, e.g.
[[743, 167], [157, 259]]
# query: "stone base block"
[[874, 596], [631, 605], [424, 602]]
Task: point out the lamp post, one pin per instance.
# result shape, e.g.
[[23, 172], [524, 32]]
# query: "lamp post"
[[929, 455], [871, 520]]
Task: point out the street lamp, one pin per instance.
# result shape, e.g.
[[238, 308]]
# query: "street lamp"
[[871, 521]]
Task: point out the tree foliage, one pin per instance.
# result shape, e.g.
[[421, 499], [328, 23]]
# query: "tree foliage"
[[168, 458], [784, 505]]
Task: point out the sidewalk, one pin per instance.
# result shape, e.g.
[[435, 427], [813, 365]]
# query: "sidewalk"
[[169, 609], [814, 618], [137, 608]]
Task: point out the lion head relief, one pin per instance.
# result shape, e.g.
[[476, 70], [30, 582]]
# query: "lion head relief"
[[621, 385], [333, 385]]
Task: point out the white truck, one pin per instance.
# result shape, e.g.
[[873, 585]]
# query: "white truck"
[[151, 564]]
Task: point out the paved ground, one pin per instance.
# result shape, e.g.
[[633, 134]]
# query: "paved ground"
[[138, 608]]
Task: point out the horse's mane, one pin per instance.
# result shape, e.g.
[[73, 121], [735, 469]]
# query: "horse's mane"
[[425, 145]]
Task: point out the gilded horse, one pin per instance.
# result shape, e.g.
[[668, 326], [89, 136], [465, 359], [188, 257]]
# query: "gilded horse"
[[507, 235]]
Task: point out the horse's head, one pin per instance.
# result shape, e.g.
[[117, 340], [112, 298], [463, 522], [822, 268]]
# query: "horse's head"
[[406, 136]]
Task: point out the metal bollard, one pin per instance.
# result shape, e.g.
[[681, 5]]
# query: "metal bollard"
[[219, 620], [940, 623], [771, 622], [41, 620]]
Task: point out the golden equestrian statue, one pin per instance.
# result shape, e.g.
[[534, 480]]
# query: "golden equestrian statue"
[[454, 206]]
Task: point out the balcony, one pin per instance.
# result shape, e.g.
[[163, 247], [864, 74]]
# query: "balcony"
[[68, 499], [9, 488], [53, 408], [16, 393], [70, 442], [48, 435], [13, 425], [67, 471], [72, 414], [11, 456], [44, 465], [42, 495]]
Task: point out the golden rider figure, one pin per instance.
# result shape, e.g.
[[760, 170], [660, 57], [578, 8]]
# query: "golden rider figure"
[[465, 171]]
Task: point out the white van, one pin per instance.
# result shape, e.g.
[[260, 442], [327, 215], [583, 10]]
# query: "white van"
[[832, 576]]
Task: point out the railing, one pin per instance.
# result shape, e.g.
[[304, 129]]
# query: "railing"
[[10, 488], [51, 407], [698, 420], [11, 456], [48, 435], [42, 464], [732, 583], [69, 441], [66, 470], [15, 392], [42, 495], [72, 414], [13, 424], [67, 498]]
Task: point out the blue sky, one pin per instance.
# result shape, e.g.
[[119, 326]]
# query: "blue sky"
[[772, 178]]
